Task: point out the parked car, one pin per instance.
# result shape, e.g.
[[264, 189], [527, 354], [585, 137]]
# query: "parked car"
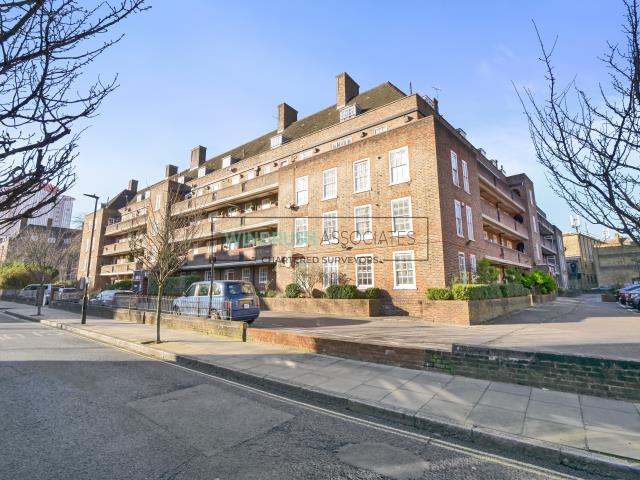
[[633, 300], [230, 300], [67, 294], [31, 291], [624, 293], [109, 298]]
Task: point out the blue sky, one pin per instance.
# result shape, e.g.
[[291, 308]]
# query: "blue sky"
[[212, 73]]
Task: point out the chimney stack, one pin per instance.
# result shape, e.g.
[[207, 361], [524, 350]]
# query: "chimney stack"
[[170, 170], [198, 156], [286, 116], [346, 89], [133, 185]]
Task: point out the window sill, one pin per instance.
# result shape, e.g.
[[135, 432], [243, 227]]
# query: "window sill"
[[405, 287], [363, 191], [329, 198], [400, 183]]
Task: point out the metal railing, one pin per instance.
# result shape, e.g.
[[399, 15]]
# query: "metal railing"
[[189, 306]]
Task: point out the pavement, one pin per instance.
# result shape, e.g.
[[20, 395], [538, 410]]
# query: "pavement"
[[565, 424], [73, 408], [578, 325]]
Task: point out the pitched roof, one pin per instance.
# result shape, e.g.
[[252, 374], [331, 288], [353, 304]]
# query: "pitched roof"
[[373, 98]]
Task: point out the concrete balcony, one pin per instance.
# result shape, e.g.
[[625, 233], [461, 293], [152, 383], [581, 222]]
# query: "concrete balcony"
[[258, 255], [235, 193], [505, 256], [549, 247], [116, 248], [223, 225], [503, 221], [493, 187], [118, 269], [125, 226]]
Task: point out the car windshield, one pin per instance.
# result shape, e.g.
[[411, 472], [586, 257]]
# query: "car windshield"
[[238, 288]]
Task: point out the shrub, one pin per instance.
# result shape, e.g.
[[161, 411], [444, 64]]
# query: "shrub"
[[539, 282], [486, 273], [514, 290], [122, 285], [475, 291], [372, 292], [270, 293], [439, 294], [174, 286], [341, 291], [292, 290], [14, 275]]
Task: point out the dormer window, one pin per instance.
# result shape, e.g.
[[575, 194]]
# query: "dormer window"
[[348, 112], [139, 197], [202, 171], [147, 194], [278, 140], [181, 179], [227, 161]]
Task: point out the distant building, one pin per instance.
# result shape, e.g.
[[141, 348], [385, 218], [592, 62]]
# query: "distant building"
[[580, 259], [59, 214], [617, 262]]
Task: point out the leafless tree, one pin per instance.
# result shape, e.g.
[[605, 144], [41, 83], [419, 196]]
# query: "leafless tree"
[[589, 145], [46, 251], [164, 247], [307, 275], [45, 45]]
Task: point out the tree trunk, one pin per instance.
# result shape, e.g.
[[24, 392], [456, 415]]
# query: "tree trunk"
[[40, 295], [159, 311]]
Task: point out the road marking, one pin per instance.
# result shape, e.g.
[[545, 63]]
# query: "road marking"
[[423, 438]]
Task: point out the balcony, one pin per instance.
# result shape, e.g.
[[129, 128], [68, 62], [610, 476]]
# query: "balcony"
[[116, 248], [234, 193], [505, 256], [222, 225], [497, 190], [503, 221], [119, 269], [125, 226], [548, 245], [230, 258]]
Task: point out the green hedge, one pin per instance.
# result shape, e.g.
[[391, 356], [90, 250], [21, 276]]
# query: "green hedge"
[[341, 292], [174, 286], [514, 290], [292, 290], [372, 293], [439, 294]]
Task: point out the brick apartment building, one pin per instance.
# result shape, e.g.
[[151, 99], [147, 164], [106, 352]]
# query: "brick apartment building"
[[379, 189]]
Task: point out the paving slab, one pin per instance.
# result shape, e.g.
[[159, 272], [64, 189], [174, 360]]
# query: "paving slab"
[[493, 417]]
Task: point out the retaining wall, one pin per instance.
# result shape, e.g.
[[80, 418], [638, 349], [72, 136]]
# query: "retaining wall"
[[357, 307]]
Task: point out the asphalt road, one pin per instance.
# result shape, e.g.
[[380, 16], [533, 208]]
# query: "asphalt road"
[[74, 409]]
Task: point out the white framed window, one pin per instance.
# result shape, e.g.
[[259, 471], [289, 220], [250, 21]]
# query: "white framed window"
[[329, 271], [330, 227], [276, 141], [207, 275], [263, 275], [458, 212], [362, 218], [265, 203], [462, 267], [364, 271], [226, 161], [229, 274], [267, 169], [301, 231], [380, 129], [139, 197], [404, 271], [249, 207], [534, 224], [158, 201], [401, 221], [235, 180], [216, 186], [473, 265], [470, 233], [302, 190], [361, 176], [233, 211], [330, 183], [454, 169], [465, 176], [341, 143], [181, 179], [348, 112], [284, 163], [509, 244], [246, 274], [86, 242], [202, 171], [531, 197], [399, 165], [306, 154], [147, 194], [251, 174]]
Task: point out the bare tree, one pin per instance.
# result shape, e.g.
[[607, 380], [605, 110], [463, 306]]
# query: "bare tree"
[[307, 275], [45, 251], [589, 146], [45, 46], [165, 246]]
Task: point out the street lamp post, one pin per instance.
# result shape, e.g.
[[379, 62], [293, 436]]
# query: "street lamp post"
[[213, 261], [86, 283]]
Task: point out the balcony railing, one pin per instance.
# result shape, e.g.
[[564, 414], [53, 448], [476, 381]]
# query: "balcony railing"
[[503, 221], [258, 253], [222, 225], [118, 268], [500, 254], [498, 188], [116, 248], [233, 193], [125, 225]]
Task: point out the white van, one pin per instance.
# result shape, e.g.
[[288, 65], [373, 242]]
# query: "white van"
[[31, 291]]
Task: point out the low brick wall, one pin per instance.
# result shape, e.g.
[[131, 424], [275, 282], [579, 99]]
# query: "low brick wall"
[[546, 298], [608, 297], [226, 328], [570, 373], [358, 307]]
